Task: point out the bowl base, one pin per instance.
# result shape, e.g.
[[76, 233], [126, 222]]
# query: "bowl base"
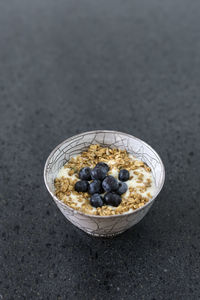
[[104, 235]]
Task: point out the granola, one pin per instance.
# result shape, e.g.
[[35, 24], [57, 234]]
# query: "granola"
[[140, 184]]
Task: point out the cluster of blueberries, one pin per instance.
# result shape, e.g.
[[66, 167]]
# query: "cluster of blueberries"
[[101, 183]]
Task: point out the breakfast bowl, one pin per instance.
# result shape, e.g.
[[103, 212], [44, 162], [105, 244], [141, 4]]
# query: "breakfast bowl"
[[97, 225]]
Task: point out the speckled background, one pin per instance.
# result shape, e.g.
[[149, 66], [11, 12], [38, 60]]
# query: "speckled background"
[[70, 66]]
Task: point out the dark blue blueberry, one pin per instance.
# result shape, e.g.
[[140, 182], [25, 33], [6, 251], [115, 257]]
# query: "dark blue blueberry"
[[85, 173], [103, 165], [122, 188], [95, 187], [96, 200], [124, 175], [98, 173], [112, 199], [81, 186], [110, 184]]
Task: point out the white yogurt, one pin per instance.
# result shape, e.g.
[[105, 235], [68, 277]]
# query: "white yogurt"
[[64, 172]]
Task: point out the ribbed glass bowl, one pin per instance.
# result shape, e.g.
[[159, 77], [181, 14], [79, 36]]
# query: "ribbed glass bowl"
[[103, 226]]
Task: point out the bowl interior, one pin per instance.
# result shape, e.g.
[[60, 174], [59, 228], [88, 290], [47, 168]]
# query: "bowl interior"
[[76, 144]]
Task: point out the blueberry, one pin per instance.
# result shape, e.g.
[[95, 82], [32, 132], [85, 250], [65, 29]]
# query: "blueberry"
[[103, 165], [98, 173], [112, 199], [110, 184], [81, 186], [122, 188], [124, 175], [96, 200], [85, 173], [95, 187]]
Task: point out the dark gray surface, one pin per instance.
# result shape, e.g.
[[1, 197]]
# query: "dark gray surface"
[[73, 66]]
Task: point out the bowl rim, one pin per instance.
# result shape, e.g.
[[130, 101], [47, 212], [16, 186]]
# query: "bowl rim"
[[97, 216]]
